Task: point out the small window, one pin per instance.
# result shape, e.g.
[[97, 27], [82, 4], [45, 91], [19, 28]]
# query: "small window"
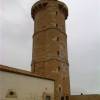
[[81, 93], [67, 97], [59, 89], [58, 53], [58, 68], [62, 97], [48, 98], [11, 94], [57, 38], [56, 25]]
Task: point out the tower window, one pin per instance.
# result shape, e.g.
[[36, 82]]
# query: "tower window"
[[59, 89], [67, 97], [62, 97], [58, 68], [57, 38], [56, 25], [58, 53]]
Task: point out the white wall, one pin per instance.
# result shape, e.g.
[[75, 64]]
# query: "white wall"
[[26, 88]]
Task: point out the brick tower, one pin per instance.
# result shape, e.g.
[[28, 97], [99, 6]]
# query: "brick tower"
[[50, 58]]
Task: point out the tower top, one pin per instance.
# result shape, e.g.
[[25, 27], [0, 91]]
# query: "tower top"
[[44, 4]]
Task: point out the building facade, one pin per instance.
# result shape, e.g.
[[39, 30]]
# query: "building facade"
[[18, 84], [50, 57]]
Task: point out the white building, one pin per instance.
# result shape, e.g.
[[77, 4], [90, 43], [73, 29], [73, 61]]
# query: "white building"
[[18, 84]]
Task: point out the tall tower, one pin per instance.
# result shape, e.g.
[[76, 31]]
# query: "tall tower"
[[50, 58]]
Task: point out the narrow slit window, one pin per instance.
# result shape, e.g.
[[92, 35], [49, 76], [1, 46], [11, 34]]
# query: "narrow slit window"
[[11, 94], [62, 97], [57, 38], [59, 89], [58, 68], [58, 53], [56, 25], [67, 97], [56, 12]]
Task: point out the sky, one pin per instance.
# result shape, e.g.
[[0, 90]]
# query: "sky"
[[82, 28]]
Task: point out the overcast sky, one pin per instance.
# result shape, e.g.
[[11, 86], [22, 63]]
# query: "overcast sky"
[[83, 30]]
